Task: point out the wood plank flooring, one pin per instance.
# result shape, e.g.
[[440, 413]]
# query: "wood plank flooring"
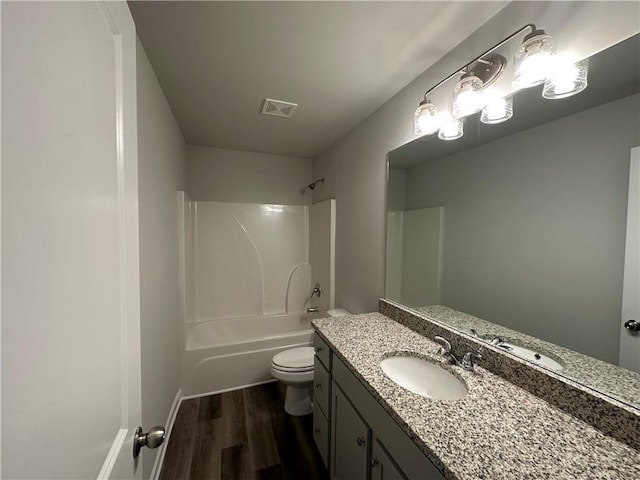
[[244, 434]]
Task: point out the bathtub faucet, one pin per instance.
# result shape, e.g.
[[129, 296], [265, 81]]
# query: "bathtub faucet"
[[316, 290]]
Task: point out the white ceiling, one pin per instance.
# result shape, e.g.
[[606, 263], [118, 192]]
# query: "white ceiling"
[[217, 61]]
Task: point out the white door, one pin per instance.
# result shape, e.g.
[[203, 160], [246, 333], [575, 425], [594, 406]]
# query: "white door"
[[630, 340], [70, 282]]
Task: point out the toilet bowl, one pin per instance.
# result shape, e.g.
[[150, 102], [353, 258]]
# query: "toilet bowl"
[[294, 368]]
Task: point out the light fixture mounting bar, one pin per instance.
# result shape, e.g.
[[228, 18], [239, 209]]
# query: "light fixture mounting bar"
[[479, 57]]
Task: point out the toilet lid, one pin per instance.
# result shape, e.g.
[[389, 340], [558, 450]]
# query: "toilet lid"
[[300, 358]]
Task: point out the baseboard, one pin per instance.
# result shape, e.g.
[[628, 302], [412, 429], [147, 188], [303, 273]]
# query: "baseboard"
[[206, 394], [157, 465]]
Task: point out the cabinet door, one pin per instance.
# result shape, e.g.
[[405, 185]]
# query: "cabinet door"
[[350, 446], [321, 433], [382, 465], [321, 387]]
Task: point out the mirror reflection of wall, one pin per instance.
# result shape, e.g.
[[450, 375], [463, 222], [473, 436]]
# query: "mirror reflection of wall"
[[530, 230]]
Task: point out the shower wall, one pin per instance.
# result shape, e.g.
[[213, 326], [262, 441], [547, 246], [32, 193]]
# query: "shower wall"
[[250, 259], [414, 255], [322, 242]]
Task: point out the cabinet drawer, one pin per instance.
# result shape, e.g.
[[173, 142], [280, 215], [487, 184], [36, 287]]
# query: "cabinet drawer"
[[321, 386], [321, 434], [323, 352]]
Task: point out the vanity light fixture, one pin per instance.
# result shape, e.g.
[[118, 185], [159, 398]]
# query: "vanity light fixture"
[[425, 118], [535, 62], [468, 96]]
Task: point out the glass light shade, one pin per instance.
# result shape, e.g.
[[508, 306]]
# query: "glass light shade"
[[566, 79], [425, 119], [497, 110], [533, 61], [468, 96], [450, 129]]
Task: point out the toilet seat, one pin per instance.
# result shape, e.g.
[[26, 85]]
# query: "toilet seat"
[[291, 370], [294, 360]]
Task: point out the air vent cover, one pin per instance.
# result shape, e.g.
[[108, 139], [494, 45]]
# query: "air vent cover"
[[278, 108]]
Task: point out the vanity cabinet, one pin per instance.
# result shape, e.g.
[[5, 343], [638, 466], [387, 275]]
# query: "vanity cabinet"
[[365, 442]]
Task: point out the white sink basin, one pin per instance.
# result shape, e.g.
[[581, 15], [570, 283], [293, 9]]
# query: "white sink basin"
[[423, 377], [530, 355]]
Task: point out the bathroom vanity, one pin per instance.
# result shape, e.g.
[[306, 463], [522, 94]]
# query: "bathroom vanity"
[[361, 440], [367, 426]]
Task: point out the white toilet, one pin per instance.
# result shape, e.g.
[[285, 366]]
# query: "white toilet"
[[294, 368]]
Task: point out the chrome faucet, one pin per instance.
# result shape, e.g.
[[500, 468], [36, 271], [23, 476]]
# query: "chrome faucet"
[[316, 290], [468, 359], [493, 341], [445, 350]]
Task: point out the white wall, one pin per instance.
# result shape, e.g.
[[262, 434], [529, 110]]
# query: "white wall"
[[233, 176], [355, 167], [161, 168]]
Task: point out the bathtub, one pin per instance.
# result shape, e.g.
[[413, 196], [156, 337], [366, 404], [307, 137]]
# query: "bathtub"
[[232, 353]]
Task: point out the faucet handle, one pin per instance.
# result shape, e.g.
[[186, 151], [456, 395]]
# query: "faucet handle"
[[446, 346], [469, 359]]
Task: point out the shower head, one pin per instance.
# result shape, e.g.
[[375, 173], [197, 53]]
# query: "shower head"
[[313, 184]]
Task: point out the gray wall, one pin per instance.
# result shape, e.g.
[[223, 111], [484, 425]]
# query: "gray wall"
[[355, 167], [397, 189], [535, 226], [216, 174], [161, 172]]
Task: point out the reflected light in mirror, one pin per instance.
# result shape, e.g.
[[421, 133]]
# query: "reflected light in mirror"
[[451, 129], [567, 78], [498, 110]]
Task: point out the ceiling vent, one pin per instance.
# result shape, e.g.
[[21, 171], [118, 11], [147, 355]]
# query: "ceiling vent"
[[278, 108]]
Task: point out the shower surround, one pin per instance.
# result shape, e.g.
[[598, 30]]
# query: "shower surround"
[[246, 279]]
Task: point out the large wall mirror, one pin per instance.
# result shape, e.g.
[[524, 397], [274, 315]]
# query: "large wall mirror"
[[516, 231]]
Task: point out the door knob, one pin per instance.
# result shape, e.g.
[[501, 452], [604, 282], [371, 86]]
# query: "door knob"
[[632, 325], [152, 439]]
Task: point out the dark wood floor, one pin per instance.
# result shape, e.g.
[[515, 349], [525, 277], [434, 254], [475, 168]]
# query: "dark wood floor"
[[243, 434]]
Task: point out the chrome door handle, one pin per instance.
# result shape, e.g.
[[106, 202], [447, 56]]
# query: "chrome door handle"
[[632, 325], [152, 439]]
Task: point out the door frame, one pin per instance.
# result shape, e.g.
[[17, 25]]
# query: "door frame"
[[630, 341], [119, 462]]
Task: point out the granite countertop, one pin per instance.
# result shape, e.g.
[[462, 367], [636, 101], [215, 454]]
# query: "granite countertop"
[[498, 431]]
